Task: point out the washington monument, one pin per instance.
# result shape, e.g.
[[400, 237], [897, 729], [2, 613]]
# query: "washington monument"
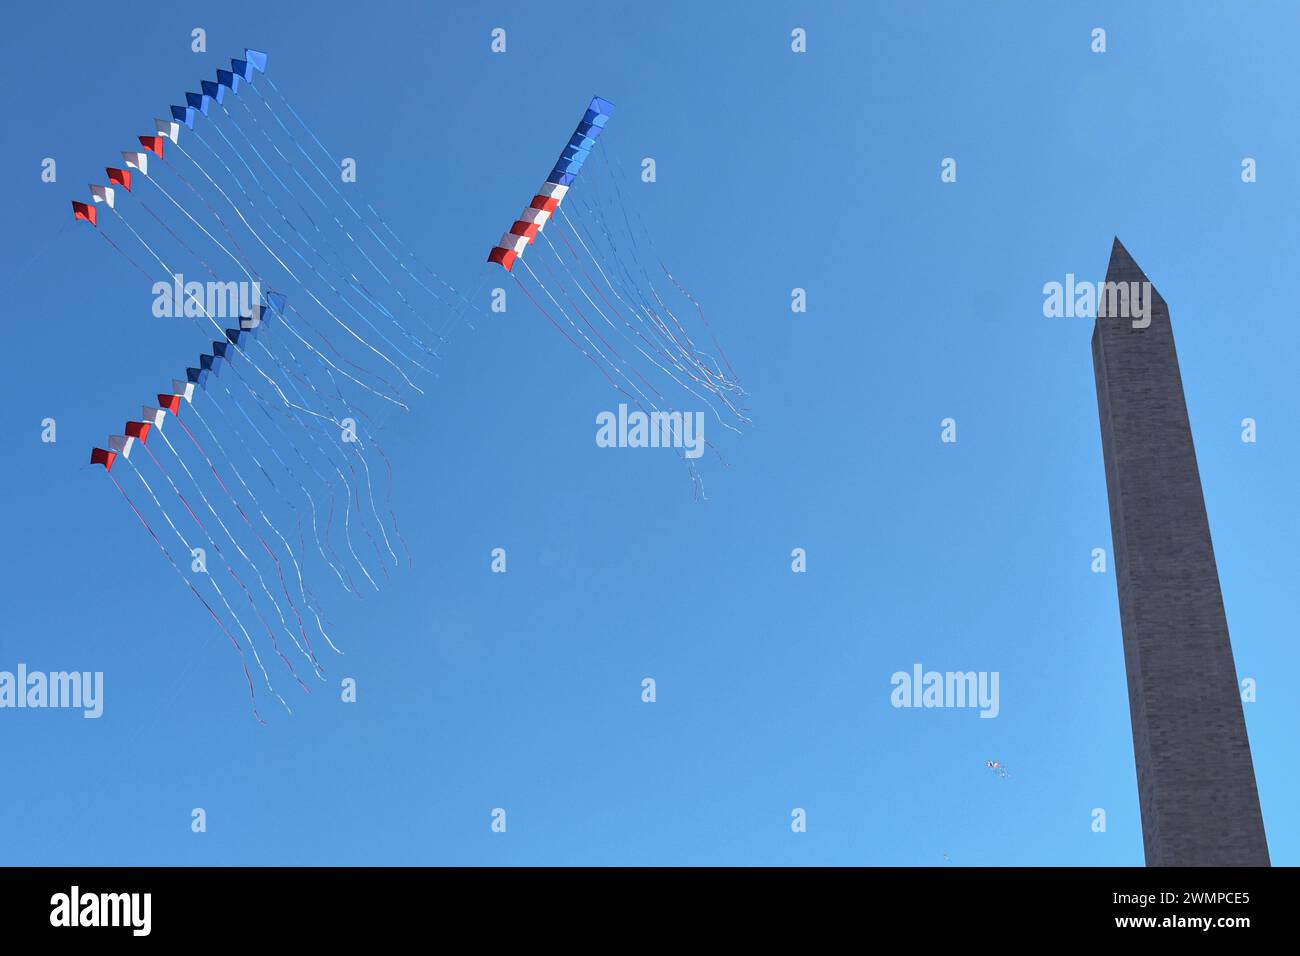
[[1196, 781]]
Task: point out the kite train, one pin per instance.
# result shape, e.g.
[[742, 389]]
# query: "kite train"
[[594, 277]]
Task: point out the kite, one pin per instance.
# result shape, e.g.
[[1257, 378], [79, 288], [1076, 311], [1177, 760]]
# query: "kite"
[[593, 285], [547, 201]]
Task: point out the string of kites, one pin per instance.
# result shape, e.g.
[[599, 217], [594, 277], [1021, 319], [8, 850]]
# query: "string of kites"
[[533, 219], [197, 103], [595, 278], [209, 364]]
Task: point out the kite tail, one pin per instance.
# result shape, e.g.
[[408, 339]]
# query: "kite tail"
[[239, 549], [303, 590], [591, 345], [705, 383], [252, 692], [344, 576], [275, 558], [256, 235], [266, 677], [311, 435], [229, 568], [719, 381], [388, 503], [559, 282], [683, 356], [347, 523], [338, 396], [392, 254], [690, 466], [360, 289], [311, 501]]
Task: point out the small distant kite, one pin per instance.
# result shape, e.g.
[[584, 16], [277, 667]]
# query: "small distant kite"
[[997, 768]]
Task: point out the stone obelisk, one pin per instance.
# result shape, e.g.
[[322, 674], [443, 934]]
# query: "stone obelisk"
[[1196, 780]]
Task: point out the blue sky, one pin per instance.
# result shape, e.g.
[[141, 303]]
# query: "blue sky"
[[775, 171]]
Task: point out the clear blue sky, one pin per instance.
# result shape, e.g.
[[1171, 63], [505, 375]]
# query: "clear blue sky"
[[775, 171]]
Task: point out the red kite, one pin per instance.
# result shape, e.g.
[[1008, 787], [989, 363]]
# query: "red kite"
[[99, 456], [84, 211], [505, 257], [138, 430]]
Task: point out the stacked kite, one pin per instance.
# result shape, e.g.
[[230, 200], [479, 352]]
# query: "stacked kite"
[[597, 292], [533, 219], [170, 129], [209, 364]]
